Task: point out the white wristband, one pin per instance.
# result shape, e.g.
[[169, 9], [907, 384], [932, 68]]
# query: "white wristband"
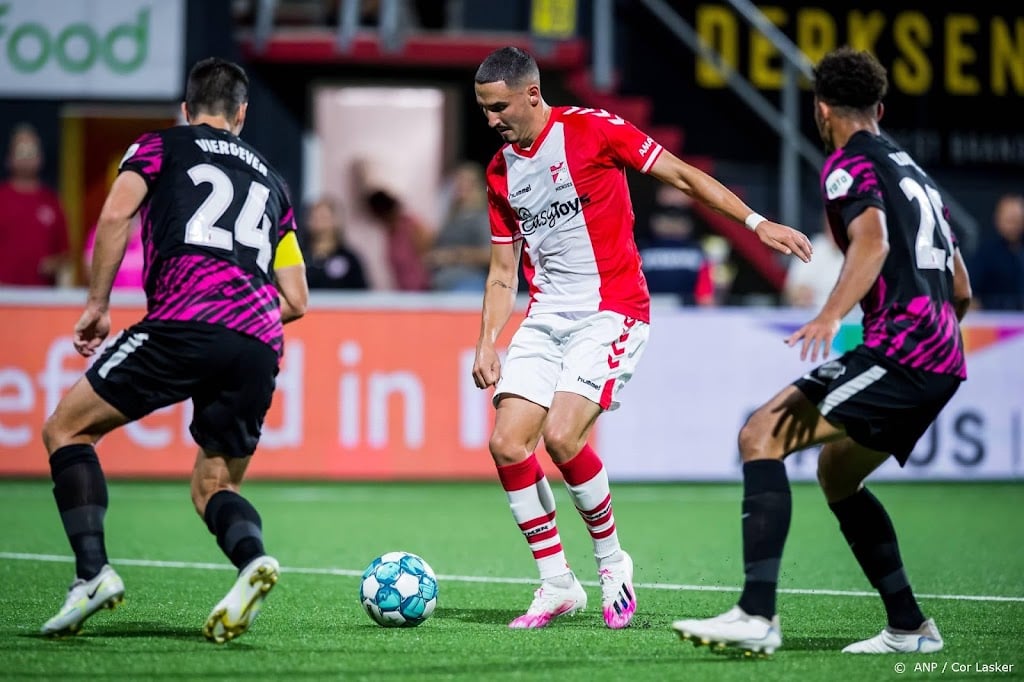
[[753, 220]]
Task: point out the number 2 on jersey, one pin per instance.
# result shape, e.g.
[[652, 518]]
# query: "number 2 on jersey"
[[929, 257], [252, 226]]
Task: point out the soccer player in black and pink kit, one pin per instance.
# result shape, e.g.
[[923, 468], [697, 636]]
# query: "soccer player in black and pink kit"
[[223, 273], [558, 196], [903, 266]]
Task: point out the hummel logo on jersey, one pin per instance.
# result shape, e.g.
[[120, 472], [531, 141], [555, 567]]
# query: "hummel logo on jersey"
[[519, 192]]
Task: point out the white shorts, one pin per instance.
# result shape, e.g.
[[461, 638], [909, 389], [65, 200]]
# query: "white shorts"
[[590, 354]]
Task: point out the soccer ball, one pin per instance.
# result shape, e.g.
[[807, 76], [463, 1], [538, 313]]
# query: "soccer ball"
[[398, 590]]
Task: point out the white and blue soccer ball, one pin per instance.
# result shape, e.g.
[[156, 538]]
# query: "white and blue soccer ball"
[[398, 590]]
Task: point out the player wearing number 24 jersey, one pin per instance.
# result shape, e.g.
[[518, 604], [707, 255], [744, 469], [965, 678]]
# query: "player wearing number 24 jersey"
[[902, 264], [222, 274], [215, 214]]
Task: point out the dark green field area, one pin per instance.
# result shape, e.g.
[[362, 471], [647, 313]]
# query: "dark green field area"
[[963, 545]]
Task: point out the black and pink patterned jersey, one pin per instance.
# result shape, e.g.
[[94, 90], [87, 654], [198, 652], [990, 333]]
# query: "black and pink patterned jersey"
[[211, 221], [909, 314]]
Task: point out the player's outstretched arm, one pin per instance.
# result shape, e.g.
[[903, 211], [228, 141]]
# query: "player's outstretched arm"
[[696, 183], [499, 301], [862, 264]]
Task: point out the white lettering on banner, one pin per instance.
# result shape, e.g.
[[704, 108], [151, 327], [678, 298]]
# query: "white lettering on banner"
[[55, 380], [380, 388], [115, 49], [18, 401], [290, 394]]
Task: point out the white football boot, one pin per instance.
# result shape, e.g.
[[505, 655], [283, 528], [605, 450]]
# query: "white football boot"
[[86, 597], [734, 629], [549, 602], [924, 640], [618, 598], [239, 608]]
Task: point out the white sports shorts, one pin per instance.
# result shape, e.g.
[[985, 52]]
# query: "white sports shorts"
[[590, 354]]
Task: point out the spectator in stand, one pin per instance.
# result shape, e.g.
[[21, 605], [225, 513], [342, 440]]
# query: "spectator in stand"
[[407, 239], [808, 285], [33, 229], [673, 259], [997, 270], [330, 264], [462, 250]]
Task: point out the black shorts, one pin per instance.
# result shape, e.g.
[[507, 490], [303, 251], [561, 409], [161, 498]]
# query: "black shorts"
[[229, 376], [881, 404]]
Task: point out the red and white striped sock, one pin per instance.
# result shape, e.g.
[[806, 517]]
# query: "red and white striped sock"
[[533, 508], [587, 481]]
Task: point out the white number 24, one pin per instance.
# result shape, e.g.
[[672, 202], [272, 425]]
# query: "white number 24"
[[929, 256], [252, 226]]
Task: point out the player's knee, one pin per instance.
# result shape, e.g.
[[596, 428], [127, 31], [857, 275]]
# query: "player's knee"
[[506, 450], [562, 445], [835, 484], [53, 434], [753, 441]]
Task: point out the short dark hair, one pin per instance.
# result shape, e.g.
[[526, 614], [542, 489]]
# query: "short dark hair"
[[849, 78], [509, 64], [216, 86]]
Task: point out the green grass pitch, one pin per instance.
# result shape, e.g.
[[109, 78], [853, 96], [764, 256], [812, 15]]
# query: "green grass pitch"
[[963, 545]]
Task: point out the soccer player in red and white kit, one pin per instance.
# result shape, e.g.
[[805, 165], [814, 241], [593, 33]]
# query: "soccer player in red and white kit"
[[557, 190]]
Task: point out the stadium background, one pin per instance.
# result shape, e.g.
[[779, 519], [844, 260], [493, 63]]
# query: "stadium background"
[[376, 385]]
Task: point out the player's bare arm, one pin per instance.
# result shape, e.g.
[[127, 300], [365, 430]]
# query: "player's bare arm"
[[294, 290], [499, 301], [961, 286], [696, 183], [112, 232], [869, 246]]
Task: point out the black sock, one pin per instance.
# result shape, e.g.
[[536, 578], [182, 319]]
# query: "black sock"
[[870, 534], [80, 491], [767, 508], [237, 526]]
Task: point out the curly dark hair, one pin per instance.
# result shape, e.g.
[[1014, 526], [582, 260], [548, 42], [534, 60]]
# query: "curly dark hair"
[[848, 78]]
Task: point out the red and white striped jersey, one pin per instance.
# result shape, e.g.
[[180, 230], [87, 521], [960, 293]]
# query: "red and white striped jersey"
[[567, 198]]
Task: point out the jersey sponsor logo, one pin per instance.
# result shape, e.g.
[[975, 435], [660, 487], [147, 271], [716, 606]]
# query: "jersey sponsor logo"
[[557, 212], [838, 183], [520, 192], [645, 147]]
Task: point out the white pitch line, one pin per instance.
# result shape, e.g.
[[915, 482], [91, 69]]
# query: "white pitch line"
[[347, 572]]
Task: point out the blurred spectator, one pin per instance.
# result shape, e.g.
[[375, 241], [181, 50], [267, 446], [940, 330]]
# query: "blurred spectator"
[[997, 268], [808, 285], [130, 275], [407, 239], [33, 229], [461, 252], [330, 264], [674, 262]]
